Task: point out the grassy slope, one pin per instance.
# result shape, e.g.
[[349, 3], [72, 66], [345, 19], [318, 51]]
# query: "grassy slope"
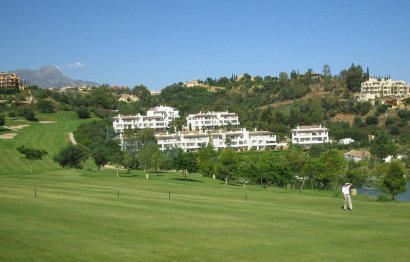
[[51, 137], [77, 215]]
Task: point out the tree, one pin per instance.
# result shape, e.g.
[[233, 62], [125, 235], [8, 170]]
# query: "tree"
[[72, 156], [83, 112], [206, 160], [227, 164], [372, 120], [358, 174], [148, 155], [353, 77], [45, 106], [100, 156], [333, 167], [28, 114], [187, 162], [296, 160], [142, 92], [247, 170], [312, 168], [2, 120], [31, 154], [130, 161], [382, 146], [326, 71], [279, 171], [283, 77], [394, 181]]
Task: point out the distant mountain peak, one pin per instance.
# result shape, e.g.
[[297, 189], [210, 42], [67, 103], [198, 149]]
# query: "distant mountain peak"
[[49, 76]]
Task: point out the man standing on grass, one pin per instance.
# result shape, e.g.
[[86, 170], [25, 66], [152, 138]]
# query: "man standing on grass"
[[348, 199]]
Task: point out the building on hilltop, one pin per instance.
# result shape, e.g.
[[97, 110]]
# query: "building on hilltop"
[[211, 120], [155, 93], [238, 140], [357, 155], [128, 98], [157, 118], [310, 135], [192, 83], [10, 80], [374, 88]]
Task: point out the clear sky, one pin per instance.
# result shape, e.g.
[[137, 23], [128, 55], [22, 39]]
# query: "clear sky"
[[157, 43]]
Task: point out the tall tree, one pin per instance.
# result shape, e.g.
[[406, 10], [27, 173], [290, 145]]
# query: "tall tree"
[[353, 77], [247, 170], [394, 181], [187, 162], [100, 156], [227, 164], [149, 156], [206, 160], [334, 167], [31, 154], [312, 169], [326, 71]]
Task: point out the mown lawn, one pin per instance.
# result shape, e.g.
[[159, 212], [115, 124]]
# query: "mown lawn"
[[50, 136], [78, 216], [68, 215]]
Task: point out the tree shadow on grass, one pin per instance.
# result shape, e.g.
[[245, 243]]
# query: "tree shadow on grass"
[[187, 180], [128, 175]]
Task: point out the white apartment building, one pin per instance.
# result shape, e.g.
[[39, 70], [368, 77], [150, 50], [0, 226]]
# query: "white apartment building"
[[374, 88], [238, 140], [211, 120], [166, 112], [157, 118], [310, 135]]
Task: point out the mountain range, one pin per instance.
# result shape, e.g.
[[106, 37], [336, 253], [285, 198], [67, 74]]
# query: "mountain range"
[[49, 76]]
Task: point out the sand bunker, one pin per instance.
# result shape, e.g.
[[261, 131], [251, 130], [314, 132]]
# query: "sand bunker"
[[16, 127], [8, 136], [47, 122]]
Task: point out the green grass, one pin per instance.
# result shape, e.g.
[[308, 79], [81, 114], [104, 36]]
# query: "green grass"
[[51, 137], [78, 216]]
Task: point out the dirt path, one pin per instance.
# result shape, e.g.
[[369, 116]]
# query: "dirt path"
[[72, 139]]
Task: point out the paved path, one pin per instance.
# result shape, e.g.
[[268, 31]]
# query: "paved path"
[[72, 139]]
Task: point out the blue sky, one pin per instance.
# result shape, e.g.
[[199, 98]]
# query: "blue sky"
[[157, 43]]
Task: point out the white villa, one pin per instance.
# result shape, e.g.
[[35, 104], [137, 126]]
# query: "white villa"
[[310, 135], [157, 118], [374, 88], [237, 140], [211, 120]]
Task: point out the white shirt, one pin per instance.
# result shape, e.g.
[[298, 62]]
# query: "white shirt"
[[346, 189]]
